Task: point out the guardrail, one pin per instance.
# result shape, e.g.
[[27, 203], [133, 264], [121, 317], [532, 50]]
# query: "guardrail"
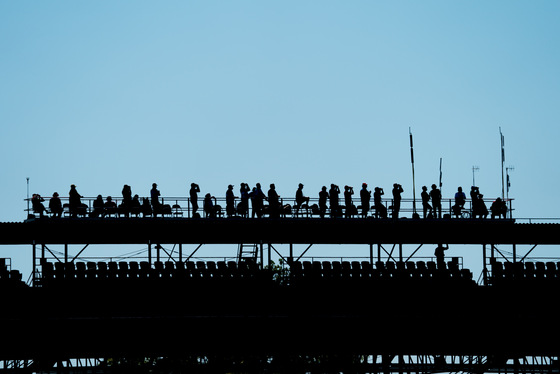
[[184, 207]]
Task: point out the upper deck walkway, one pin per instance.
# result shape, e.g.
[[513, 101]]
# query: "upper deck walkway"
[[277, 231], [177, 223]]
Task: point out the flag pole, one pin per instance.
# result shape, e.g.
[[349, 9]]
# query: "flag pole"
[[413, 182], [503, 161]]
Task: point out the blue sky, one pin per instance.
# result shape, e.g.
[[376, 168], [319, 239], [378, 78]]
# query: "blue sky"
[[100, 94]]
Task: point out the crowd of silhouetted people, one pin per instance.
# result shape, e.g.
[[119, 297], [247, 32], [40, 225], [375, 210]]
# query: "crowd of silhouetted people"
[[329, 203]]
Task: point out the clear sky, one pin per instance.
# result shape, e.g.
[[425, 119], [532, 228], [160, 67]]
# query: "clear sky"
[[101, 94]]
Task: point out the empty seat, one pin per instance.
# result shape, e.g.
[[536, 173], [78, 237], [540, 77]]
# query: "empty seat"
[[80, 270]]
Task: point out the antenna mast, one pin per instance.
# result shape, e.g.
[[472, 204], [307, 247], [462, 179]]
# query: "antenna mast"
[[412, 162]]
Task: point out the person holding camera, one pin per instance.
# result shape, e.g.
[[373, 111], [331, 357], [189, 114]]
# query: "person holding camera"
[[380, 209], [349, 205], [333, 193], [397, 190], [193, 193], [365, 197]]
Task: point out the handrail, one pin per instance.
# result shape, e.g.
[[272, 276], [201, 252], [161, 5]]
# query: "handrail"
[[181, 206]]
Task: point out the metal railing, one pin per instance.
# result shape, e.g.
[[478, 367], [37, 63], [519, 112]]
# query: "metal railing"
[[183, 207]]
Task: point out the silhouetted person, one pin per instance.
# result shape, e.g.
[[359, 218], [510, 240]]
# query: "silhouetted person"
[[98, 207], [193, 193], [257, 199], [273, 202], [74, 201], [435, 195], [110, 206], [154, 198], [126, 200], [135, 207], [426, 202], [243, 206], [365, 198], [333, 196], [478, 206], [460, 200], [300, 198], [380, 209], [209, 206], [230, 201], [55, 205], [348, 203], [323, 196], [37, 204], [146, 207], [498, 208], [397, 190], [440, 255]]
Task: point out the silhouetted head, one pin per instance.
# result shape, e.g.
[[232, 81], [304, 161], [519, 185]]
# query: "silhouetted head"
[[424, 188], [434, 186], [230, 187], [300, 185], [324, 188], [154, 185], [364, 185], [272, 186], [55, 194], [460, 189]]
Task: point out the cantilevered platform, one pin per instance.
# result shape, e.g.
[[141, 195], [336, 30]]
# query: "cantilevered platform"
[[282, 230]]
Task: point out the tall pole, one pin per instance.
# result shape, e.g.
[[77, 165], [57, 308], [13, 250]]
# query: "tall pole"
[[440, 174], [27, 195], [413, 182], [503, 160]]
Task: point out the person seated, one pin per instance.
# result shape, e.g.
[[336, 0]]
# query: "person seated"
[[498, 208], [135, 207], [110, 206], [37, 204], [98, 207], [209, 207], [55, 205]]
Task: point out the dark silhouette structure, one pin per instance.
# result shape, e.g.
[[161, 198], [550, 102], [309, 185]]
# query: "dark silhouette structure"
[[397, 191], [303, 315]]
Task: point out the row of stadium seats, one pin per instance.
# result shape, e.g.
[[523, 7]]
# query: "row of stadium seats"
[[299, 270], [144, 270], [399, 270], [509, 271]]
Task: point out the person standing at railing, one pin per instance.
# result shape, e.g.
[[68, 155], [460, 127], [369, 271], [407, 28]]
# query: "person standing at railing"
[[243, 206], [300, 199], [55, 205], [257, 199], [273, 202], [230, 201], [154, 198], [126, 201], [323, 196], [193, 193], [426, 202], [333, 194], [348, 203], [397, 190], [440, 255], [435, 195], [380, 209], [365, 198], [74, 202]]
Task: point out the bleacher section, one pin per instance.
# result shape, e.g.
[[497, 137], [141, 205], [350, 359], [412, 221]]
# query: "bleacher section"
[[524, 274], [206, 272]]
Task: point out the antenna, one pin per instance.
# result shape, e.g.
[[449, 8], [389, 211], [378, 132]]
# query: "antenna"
[[474, 168], [27, 195]]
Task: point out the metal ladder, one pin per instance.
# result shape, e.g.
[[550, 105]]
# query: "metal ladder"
[[248, 252]]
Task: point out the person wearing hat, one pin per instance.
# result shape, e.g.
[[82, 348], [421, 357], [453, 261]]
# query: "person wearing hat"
[[55, 205], [193, 192], [154, 195], [74, 200], [230, 201], [365, 197], [300, 199]]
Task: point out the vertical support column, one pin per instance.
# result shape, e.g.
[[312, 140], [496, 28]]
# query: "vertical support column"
[[291, 252], [180, 252], [262, 254], [379, 252], [34, 270], [149, 252], [269, 256], [484, 268], [66, 253], [400, 253], [371, 254], [514, 253]]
